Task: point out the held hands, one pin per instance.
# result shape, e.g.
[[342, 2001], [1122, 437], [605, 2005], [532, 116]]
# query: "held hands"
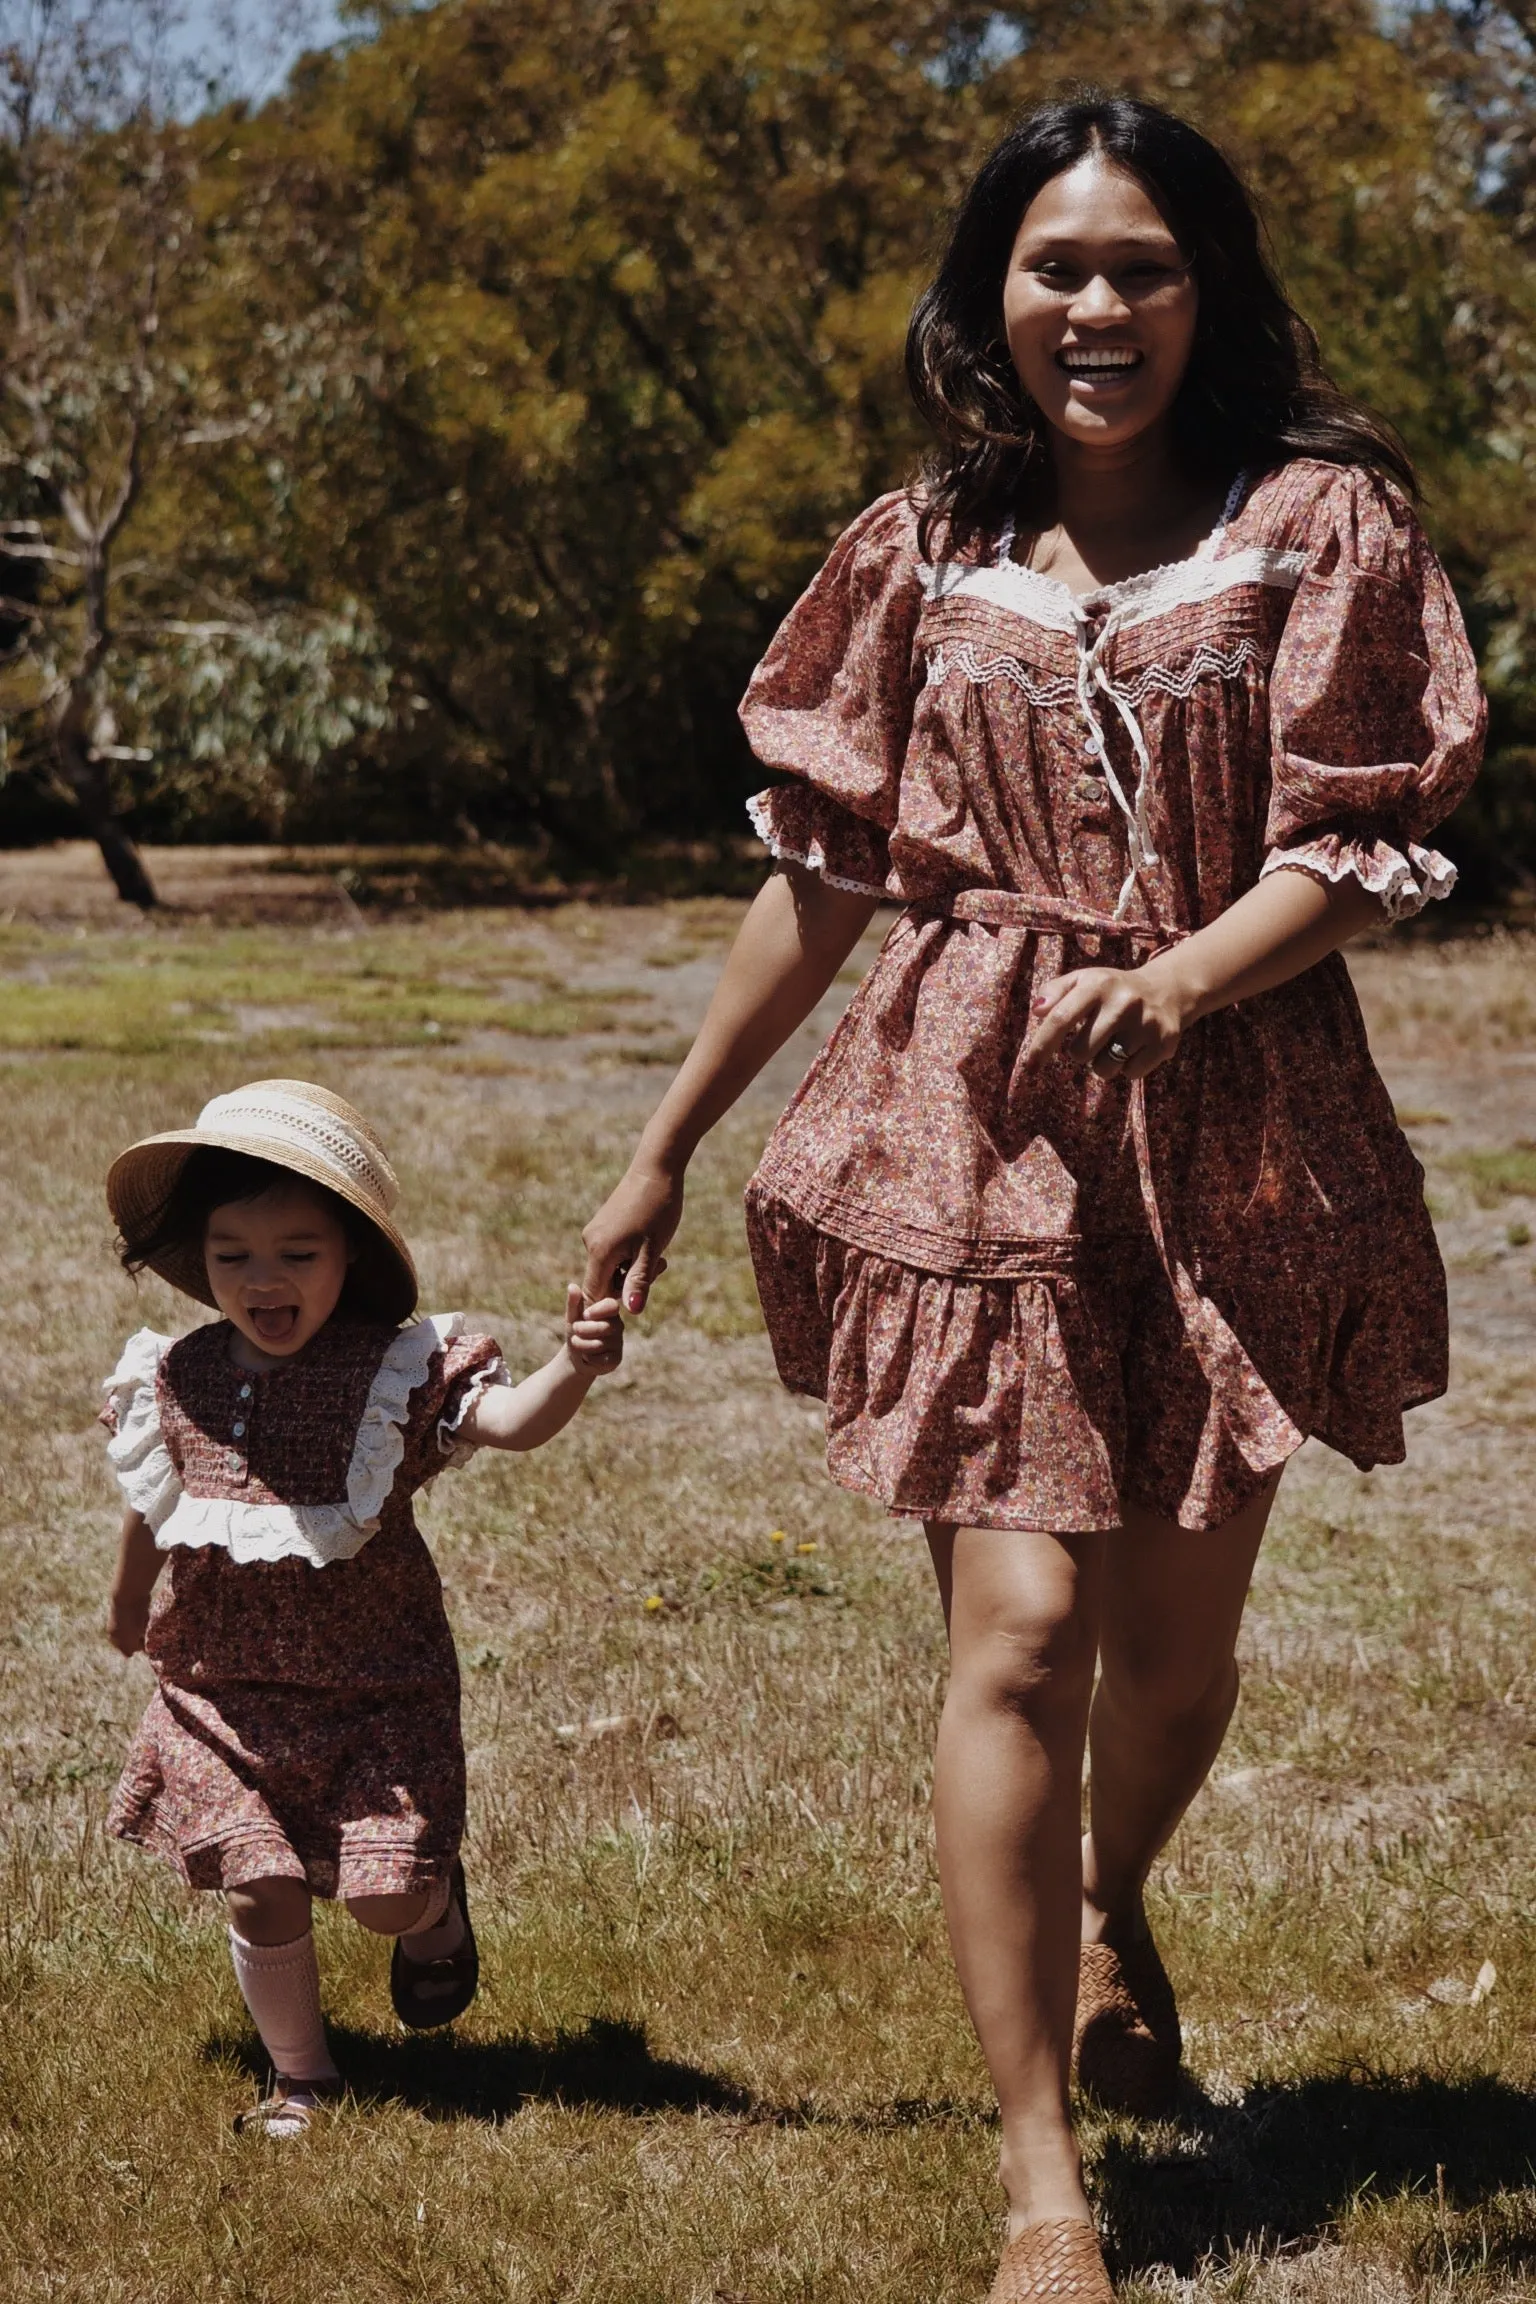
[[626, 1239], [594, 1333], [1119, 1022]]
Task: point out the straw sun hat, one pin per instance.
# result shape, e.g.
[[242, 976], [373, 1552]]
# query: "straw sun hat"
[[296, 1126]]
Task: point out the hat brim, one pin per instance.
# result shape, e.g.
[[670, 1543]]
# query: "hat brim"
[[381, 1281]]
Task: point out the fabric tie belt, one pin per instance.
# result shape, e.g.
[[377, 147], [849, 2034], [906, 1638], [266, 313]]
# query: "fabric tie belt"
[[1260, 1428]]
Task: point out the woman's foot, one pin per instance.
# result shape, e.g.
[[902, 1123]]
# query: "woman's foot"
[[1060, 2258], [1126, 2042], [290, 2110], [434, 1990]]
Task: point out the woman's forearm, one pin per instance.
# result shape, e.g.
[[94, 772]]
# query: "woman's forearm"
[[792, 943], [1289, 922]]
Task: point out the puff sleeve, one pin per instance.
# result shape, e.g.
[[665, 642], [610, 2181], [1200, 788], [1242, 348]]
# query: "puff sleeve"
[[462, 1366], [1376, 715], [831, 704], [150, 1482]]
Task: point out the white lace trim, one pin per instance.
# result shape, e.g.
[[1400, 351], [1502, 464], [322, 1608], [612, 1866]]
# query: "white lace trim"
[[321, 1533], [1391, 877], [488, 1379], [1044, 601], [149, 1480], [815, 856], [1206, 663]]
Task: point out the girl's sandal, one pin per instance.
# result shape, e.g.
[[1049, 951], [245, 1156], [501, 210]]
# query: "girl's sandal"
[[427, 1993], [290, 2109], [1059, 2259], [1126, 2042]]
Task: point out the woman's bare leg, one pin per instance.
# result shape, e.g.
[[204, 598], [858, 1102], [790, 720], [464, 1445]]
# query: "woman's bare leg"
[[1168, 1623], [1022, 1611]]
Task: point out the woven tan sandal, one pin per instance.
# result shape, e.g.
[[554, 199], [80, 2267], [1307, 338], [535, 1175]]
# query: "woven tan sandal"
[[1059, 2259], [1126, 2043]]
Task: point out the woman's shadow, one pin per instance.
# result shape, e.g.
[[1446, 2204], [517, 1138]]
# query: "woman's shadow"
[[1279, 2168]]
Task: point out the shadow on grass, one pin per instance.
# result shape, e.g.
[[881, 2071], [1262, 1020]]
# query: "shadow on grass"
[[606, 2065], [1284, 2165]]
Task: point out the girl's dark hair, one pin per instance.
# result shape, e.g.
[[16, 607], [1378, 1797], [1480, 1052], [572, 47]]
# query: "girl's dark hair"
[[1255, 391], [210, 1178]]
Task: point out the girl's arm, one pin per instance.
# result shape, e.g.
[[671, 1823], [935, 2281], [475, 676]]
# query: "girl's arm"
[[138, 1567], [792, 943], [1287, 923], [527, 1414]]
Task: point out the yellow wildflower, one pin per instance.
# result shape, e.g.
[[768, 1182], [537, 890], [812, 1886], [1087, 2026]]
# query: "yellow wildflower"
[[653, 1601], [802, 1549], [777, 1537]]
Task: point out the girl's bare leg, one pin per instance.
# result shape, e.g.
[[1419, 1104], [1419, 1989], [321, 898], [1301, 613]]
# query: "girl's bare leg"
[[1168, 1622], [1022, 1610]]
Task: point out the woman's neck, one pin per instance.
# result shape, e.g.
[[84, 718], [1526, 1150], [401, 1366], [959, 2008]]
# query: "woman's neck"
[[1132, 489]]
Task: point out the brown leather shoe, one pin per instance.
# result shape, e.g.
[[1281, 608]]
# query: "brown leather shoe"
[[427, 1993], [1126, 2043], [1059, 2259]]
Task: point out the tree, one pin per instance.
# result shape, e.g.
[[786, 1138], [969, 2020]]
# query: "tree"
[[107, 397]]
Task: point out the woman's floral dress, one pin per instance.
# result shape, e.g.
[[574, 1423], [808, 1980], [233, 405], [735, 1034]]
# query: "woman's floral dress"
[[1026, 1295], [305, 1721]]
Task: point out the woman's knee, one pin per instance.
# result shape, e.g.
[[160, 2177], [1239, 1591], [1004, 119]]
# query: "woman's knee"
[[268, 1912], [1031, 1655], [1168, 1694]]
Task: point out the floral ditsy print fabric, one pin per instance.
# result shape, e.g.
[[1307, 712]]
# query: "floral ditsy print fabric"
[[305, 1721], [1025, 1297]]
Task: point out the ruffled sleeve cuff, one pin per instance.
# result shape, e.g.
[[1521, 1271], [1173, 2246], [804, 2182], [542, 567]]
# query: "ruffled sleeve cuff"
[[797, 824], [149, 1480], [1405, 882], [466, 1388]]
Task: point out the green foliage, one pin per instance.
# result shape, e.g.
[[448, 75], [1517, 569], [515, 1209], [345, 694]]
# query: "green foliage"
[[554, 346]]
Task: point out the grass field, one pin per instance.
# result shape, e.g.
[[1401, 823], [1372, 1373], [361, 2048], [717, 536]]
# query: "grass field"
[[720, 2057]]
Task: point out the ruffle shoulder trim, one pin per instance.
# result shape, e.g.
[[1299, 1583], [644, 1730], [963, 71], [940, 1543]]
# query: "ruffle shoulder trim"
[[137, 1451], [322, 1533], [1405, 883]]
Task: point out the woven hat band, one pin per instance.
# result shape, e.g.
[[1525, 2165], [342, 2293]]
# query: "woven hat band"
[[294, 1123]]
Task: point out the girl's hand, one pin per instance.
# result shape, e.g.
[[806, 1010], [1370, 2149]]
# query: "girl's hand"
[[1119, 1022], [128, 1621], [626, 1238], [594, 1333]]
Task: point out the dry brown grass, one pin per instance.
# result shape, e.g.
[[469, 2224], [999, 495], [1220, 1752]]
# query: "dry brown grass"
[[720, 2053]]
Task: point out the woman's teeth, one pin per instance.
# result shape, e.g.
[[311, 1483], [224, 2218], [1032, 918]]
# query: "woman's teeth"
[[1079, 363]]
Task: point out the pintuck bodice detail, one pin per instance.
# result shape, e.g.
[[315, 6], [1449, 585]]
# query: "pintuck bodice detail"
[[1043, 782]]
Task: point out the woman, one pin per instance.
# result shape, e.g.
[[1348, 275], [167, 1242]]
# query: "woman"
[[1094, 1207]]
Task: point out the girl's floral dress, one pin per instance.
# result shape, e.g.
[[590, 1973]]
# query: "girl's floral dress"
[[305, 1721], [1026, 1295]]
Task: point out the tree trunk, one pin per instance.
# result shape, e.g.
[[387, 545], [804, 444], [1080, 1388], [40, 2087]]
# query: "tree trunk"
[[87, 784]]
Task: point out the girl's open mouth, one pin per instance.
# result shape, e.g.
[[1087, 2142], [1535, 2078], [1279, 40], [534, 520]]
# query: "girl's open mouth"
[[274, 1323]]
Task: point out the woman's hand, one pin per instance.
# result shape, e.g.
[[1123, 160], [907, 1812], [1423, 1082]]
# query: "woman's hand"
[[128, 1621], [626, 1239], [1119, 1022]]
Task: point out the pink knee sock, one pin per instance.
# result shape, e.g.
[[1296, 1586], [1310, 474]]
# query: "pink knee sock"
[[280, 1984], [439, 1932]]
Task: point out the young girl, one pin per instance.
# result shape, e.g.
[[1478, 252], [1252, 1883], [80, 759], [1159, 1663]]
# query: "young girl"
[[303, 1739], [1094, 1207]]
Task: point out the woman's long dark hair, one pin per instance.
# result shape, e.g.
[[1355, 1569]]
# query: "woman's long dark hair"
[[1255, 391]]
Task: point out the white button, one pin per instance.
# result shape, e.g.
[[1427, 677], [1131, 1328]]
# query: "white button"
[[240, 1431], [1092, 746], [245, 1391]]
